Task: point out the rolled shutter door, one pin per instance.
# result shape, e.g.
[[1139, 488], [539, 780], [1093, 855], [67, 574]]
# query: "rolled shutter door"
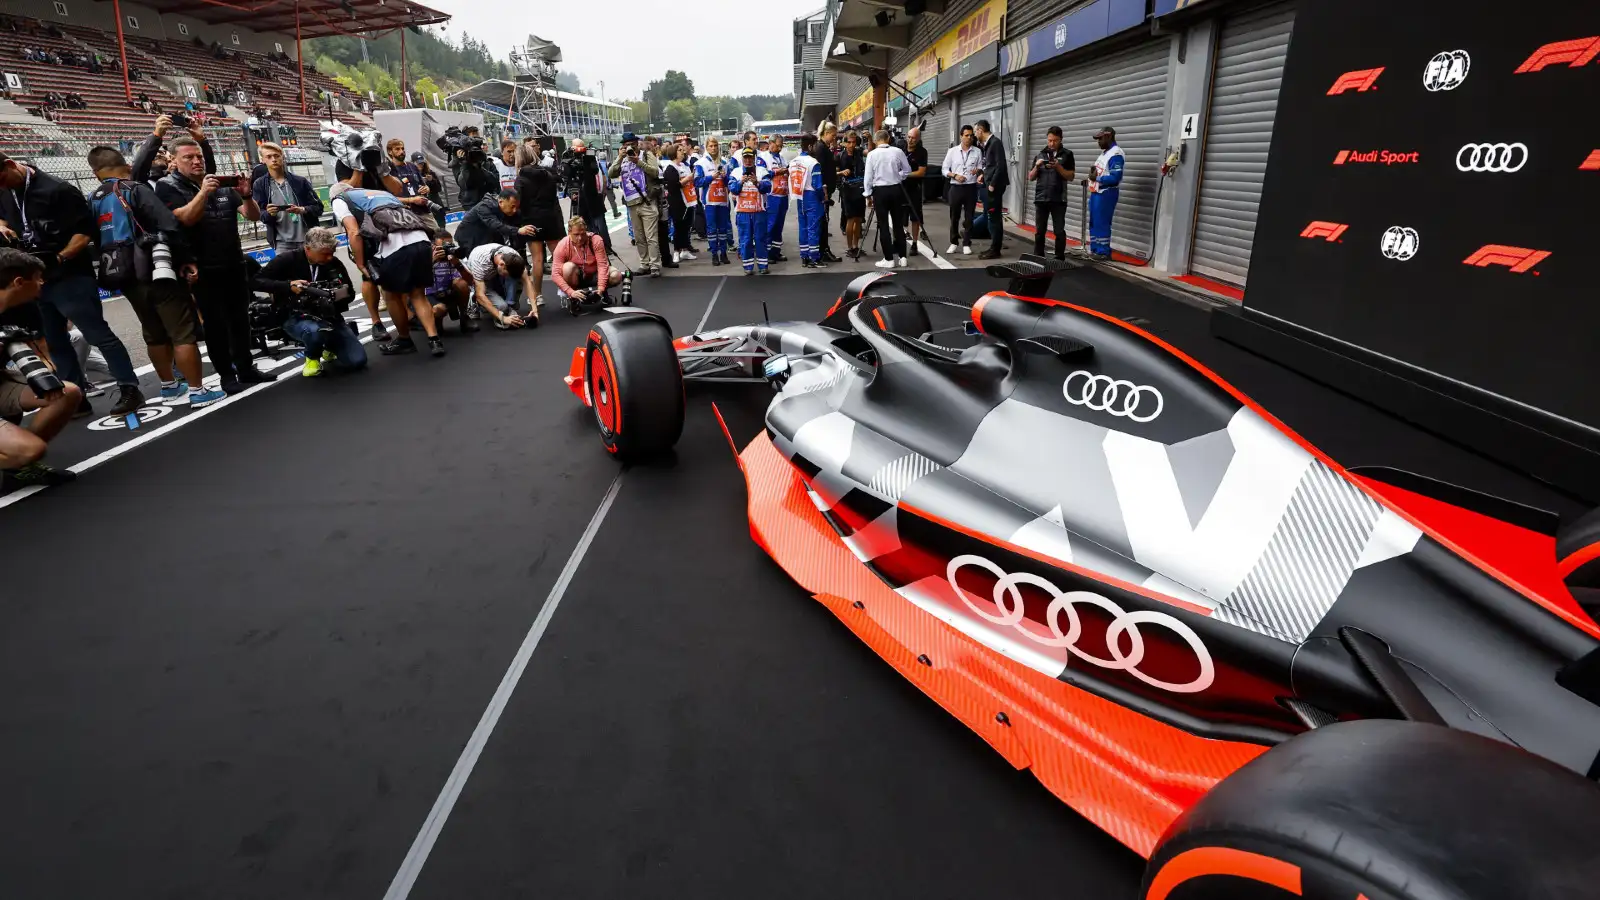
[[936, 133], [1127, 91], [1244, 101]]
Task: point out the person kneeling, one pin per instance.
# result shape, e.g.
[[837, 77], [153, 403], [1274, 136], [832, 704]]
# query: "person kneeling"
[[27, 383], [500, 281], [312, 290], [451, 293], [580, 263]]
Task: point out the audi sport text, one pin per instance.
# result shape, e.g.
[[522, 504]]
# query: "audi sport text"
[[1381, 157]]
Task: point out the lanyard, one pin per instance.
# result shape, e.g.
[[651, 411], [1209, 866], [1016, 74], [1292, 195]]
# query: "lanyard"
[[315, 270], [22, 201]]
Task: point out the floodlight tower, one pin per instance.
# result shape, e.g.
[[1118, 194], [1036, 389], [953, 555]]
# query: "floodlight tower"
[[535, 65]]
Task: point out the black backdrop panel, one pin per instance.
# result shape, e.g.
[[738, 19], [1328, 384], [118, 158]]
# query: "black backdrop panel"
[[1458, 191]]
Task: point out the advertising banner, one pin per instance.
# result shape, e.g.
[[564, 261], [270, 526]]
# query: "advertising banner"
[[969, 36], [1431, 191], [1079, 28]]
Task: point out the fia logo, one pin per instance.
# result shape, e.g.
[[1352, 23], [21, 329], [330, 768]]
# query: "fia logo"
[[1400, 243], [1061, 35], [1446, 70]]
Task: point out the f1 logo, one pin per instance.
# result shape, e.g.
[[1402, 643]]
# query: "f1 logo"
[[1519, 259], [1359, 80], [1592, 164], [1577, 53], [1329, 230]]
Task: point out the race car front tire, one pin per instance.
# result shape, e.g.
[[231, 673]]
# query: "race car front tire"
[[635, 386], [1386, 810]]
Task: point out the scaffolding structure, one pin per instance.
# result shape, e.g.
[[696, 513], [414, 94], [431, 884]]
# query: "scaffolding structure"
[[532, 103]]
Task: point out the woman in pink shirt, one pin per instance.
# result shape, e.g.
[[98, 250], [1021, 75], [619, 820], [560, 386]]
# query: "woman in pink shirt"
[[580, 262]]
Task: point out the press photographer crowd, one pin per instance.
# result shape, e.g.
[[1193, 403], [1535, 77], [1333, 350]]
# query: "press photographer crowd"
[[163, 230]]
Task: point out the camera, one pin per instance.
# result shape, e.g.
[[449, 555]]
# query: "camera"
[[20, 358], [455, 139], [362, 151], [161, 268], [325, 301], [449, 248]]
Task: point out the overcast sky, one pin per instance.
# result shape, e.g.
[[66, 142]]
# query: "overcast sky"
[[621, 42]]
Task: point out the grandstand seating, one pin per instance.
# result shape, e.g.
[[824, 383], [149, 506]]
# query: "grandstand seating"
[[108, 118]]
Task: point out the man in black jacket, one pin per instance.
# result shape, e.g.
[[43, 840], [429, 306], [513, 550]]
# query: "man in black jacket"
[[995, 179], [163, 305], [476, 177], [327, 338], [830, 181], [1053, 168], [50, 219], [581, 172], [492, 221]]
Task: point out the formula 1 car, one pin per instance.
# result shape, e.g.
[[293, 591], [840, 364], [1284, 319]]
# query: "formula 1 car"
[[1267, 674]]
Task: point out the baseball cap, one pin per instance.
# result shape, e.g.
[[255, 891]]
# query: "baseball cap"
[[748, 151], [418, 156]]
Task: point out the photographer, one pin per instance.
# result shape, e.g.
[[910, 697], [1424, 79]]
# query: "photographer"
[[50, 219], [26, 382], [134, 224], [451, 292], [581, 173], [500, 279], [391, 246], [312, 290], [493, 221], [289, 204], [640, 173], [208, 206], [475, 175], [435, 188], [1053, 168], [580, 263]]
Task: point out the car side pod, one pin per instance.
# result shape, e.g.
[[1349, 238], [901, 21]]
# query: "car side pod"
[[1387, 810]]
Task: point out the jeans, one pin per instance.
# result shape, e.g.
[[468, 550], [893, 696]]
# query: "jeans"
[[505, 294], [1045, 215], [993, 211], [347, 349], [77, 298]]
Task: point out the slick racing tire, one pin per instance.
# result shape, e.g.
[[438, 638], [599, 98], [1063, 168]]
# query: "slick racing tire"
[[1386, 810], [635, 386]]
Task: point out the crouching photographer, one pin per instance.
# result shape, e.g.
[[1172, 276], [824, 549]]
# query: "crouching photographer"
[[580, 268], [27, 383], [310, 291]]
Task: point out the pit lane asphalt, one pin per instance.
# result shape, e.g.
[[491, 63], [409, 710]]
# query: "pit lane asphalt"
[[242, 660]]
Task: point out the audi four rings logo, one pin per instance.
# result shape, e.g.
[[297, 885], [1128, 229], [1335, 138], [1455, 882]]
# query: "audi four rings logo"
[[1111, 395], [1123, 630], [1400, 243], [1492, 157], [1446, 70]]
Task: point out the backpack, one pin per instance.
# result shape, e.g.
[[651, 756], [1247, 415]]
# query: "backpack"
[[119, 234]]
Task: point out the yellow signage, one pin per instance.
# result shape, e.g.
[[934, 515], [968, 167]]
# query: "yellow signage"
[[970, 35]]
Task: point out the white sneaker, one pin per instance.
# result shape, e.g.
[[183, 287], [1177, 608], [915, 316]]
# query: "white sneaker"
[[950, 250], [966, 251], [686, 255], [903, 262], [884, 263]]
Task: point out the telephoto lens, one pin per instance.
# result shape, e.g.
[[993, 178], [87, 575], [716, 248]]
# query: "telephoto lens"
[[627, 288], [20, 357], [161, 262]]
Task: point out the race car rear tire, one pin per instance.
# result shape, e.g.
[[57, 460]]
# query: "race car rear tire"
[[635, 386], [1388, 810]]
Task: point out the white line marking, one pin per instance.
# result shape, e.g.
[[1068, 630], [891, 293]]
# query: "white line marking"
[[715, 294], [400, 888]]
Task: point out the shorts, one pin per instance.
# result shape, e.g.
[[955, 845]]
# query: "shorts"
[[408, 269], [166, 313], [585, 279], [11, 393], [549, 226], [852, 204]]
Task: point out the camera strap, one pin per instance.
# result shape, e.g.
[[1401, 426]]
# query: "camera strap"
[[22, 202]]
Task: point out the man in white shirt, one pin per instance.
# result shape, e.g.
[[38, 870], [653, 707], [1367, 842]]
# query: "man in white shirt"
[[506, 165], [886, 169], [500, 280], [962, 165]]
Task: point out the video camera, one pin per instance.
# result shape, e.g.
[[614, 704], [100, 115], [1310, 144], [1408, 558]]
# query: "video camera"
[[19, 356], [454, 139], [324, 301], [362, 151]]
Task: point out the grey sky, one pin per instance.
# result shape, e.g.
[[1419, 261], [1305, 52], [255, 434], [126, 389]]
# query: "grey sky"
[[622, 43]]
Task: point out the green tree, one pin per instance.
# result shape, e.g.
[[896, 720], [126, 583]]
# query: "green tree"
[[423, 89], [676, 85], [638, 110], [682, 113]]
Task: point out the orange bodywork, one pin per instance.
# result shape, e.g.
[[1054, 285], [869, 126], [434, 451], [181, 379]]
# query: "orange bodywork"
[[575, 375], [1128, 774]]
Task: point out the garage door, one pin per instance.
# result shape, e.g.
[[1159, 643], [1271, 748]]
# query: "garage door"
[[1127, 91], [936, 131], [1244, 100]]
